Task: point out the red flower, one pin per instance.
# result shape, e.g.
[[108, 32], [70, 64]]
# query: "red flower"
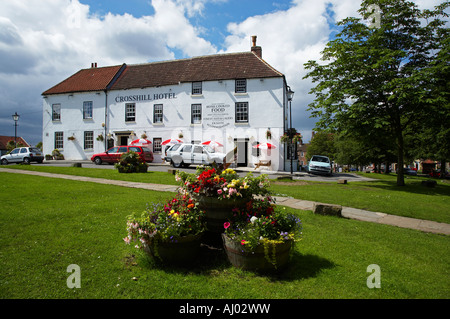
[[226, 225]]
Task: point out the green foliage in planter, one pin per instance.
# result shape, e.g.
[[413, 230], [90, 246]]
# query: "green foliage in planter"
[[131, 162]]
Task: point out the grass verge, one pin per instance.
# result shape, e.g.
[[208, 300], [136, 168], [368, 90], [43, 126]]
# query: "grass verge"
[[48, 224], [380, 195]]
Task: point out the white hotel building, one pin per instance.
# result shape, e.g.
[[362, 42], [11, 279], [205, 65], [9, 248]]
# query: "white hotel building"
[[234, 99]]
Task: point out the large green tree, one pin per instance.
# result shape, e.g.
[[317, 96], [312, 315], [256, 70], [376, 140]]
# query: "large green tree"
[[371, 81]]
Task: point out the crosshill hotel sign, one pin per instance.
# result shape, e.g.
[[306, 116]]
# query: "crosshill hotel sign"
[[144, 97]]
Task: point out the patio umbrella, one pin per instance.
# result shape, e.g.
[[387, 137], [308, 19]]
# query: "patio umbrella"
[[212, 143], [171, 141], [141, 142], [265, 146]]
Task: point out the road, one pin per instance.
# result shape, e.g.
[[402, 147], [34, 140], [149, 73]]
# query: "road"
[[159, 167]]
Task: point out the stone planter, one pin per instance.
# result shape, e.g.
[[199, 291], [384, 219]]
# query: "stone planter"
[[179, 251], [264, 259]]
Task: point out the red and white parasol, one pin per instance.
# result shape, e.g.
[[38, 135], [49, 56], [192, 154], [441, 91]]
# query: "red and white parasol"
[[171, 141], [141, 142], [212, 143], [265, 146]]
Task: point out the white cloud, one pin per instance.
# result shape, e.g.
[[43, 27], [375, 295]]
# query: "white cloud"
[[43, 43], [40, 45]]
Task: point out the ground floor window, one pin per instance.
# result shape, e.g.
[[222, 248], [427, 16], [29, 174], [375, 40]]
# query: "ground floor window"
[[88, 140], [59, 140], [157, 145]]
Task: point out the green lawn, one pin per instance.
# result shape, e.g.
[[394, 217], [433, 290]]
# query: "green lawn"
[[381, 195], [48, 224]]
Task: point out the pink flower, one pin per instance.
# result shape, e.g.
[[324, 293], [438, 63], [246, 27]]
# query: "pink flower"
[[226, 225], [219, 191], [243, 242], [127, 240]]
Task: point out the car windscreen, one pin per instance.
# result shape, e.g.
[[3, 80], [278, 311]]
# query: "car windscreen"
[[34, 150], [146, 150], [321, 159], [174, 147]]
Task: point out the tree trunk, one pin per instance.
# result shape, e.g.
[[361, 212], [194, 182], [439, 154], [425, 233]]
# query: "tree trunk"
[[400, 175], [443, 164]]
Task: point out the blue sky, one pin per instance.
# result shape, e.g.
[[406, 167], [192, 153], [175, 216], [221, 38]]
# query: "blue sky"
[[42, 42]]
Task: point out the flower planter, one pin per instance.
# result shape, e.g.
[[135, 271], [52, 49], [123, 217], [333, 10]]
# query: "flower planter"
[[217, 211], [269, 258], [179, 251]]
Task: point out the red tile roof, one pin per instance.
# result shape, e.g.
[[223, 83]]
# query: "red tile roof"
[[5, 139], [245, 65], [93, 79]]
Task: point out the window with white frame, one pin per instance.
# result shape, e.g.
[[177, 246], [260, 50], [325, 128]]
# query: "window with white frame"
[[157, 113], [88, 140], [130, 112], [241, 112], [56, 112], [196, 114], [241, 86], [87, 110], [59, 140], [157, 148], [196, 88]]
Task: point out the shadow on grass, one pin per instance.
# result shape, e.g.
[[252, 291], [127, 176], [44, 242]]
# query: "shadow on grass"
[[213, 260]]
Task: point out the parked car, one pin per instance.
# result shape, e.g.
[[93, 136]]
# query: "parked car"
[[113, 154], [319, 164], [23, 154], [186, 154], [409, 171]]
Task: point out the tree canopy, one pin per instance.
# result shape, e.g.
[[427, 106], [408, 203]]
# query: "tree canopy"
[[373, 82]]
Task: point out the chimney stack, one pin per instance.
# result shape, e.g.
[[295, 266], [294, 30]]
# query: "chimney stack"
[[93, 65], [257, 50]]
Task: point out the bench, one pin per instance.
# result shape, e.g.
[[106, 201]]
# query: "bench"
[[263, 163]]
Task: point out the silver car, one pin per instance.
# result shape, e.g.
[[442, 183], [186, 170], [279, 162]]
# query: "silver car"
[[23, 154], [319, 165]]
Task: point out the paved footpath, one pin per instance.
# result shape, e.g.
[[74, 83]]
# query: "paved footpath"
[[347, 212]]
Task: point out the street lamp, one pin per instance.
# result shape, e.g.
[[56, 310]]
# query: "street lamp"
[[15, 117], [290, 96]]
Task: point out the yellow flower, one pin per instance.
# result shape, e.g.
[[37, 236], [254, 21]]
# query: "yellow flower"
[[172, 211], [228, 171]]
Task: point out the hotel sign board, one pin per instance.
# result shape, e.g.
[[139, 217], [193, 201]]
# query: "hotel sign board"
[[218, 115]]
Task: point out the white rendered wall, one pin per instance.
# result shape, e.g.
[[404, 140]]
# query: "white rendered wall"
[[265, 103]]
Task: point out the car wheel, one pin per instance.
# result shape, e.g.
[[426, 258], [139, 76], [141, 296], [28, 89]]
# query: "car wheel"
[[4, 162], [26, 160], [177, 164], [97, 161]]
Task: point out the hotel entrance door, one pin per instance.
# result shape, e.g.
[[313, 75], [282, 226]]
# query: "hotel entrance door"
[[241, 146]]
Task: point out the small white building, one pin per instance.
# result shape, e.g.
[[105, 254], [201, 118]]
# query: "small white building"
[[236, 99]]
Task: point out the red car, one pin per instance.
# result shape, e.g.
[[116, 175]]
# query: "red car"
[[113, 154]]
